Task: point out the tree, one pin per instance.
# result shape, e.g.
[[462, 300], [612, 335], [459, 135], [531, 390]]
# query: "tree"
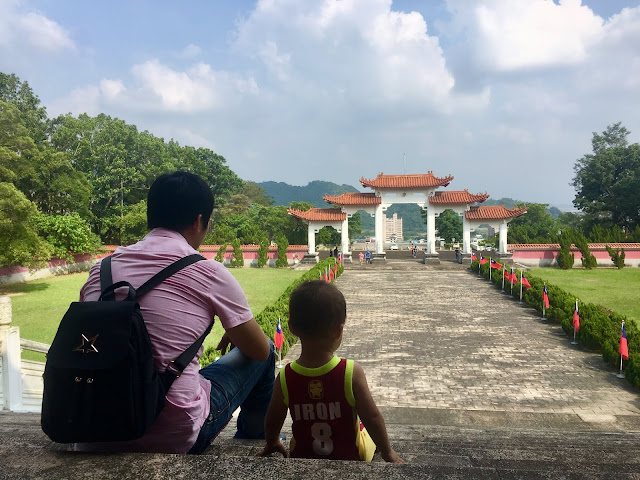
[[238, 259], [16, 146], [328, 236], [355, 226], [607, 181], [28, 104], [20, 243], [263, 250], [256, 194], [536, 226], [67, 234], [449, 226], [588, 259], [565, 258], [283, 245]]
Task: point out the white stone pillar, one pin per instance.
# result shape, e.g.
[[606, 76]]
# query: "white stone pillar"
[[378, 222], [345, 236], [311, 238], [466, 235], [431, 230], [502, 245], [11, 361]]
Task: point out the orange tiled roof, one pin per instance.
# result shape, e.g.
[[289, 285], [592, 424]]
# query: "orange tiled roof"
[[319, 214], [420, 180], [496, 212], [353, 198], [457, 196]]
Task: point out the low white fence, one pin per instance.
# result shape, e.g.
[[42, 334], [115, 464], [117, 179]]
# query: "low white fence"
[[20, 380]]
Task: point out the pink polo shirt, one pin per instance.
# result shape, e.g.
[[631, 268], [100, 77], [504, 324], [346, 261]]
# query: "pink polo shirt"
[[176, 313]]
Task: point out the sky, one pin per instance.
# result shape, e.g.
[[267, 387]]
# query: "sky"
[[502, 94]]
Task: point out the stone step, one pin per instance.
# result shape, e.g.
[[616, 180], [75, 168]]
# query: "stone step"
[[432, 451]]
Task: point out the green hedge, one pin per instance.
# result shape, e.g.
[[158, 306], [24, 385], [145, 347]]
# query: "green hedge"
[[600, 328], [268, 317]]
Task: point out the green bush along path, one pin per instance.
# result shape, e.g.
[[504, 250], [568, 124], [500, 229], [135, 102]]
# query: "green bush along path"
[[612, 288], [39, 305]]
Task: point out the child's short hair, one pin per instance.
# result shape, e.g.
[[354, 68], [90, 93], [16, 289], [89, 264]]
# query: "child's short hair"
[[315, 307]]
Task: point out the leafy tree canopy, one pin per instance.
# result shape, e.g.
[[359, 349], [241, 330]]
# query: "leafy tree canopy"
[[607, 181]]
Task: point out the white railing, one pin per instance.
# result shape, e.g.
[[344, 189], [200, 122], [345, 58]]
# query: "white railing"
[[20, 380]]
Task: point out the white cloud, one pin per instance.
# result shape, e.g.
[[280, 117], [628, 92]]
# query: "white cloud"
[[190, 51], [31, 32], [111, 88], [350, 52], [43, 33], [197, 89]]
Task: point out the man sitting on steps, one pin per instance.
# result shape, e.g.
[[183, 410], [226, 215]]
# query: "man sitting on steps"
[[200, 403]]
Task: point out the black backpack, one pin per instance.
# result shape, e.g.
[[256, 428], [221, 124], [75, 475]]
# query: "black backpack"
[[100, 384]]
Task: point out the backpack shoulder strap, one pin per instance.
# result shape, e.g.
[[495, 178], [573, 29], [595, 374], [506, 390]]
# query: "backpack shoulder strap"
[[165, 273], [105, 278]]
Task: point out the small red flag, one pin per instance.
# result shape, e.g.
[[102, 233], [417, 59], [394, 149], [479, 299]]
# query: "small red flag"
[[331, 274], [545, 297], [483, 260], [335, 270], [525, 282], [576, 318], [473, 257], [340, 259], [495, 264], [623, 350], [513, 278], [278, 338]]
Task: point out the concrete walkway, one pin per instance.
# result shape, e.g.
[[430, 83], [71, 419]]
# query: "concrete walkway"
[[446, 346]]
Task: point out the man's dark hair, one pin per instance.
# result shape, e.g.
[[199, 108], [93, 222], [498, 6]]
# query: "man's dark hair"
[[315, 307], [176, 199]]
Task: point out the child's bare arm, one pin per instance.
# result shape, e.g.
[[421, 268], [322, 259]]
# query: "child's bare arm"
[[273, 421], [371, 416]]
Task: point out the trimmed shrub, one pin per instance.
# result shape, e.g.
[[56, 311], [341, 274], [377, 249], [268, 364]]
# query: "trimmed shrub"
[[565, 257], [221, 251], [263, 251], [588, 259], [617, 256], [238, 260], [283, 244]]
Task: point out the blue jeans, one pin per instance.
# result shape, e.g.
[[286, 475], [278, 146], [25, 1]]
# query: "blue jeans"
[[237, 381]]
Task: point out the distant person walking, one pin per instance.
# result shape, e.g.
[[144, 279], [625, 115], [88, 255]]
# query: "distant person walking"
[[361, 257], [367, 256]]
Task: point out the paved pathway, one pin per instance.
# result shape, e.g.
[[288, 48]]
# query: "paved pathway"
[[438, 338]]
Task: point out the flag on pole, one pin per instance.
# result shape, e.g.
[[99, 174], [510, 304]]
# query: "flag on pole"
[[340, 259], [326, 275], [473, 257], [278, 338], [524, 281], [505, 273], [576, 318], [545, 296], [319, 275], [623, 350], [495, 264], [513, 278], [483, 260], [330, 274], [335, 270]]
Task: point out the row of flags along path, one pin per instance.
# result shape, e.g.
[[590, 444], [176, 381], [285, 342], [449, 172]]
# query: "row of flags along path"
[[512, 278]]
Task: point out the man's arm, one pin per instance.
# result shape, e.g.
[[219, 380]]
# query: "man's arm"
[[249, 338], [273, 421], [371, 416]]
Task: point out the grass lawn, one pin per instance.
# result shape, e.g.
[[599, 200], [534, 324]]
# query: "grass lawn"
[[39, 305], [617, 290]]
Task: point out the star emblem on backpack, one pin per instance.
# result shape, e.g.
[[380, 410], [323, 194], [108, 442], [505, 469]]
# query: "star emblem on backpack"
[[87, 345]]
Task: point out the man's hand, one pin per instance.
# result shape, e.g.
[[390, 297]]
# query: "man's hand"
[[225, 342], [277, 447]]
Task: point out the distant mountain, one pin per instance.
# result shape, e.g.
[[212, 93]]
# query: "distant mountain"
[[283, 193]]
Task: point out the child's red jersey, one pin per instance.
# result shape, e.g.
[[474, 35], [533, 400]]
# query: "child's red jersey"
[[322, 406]]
